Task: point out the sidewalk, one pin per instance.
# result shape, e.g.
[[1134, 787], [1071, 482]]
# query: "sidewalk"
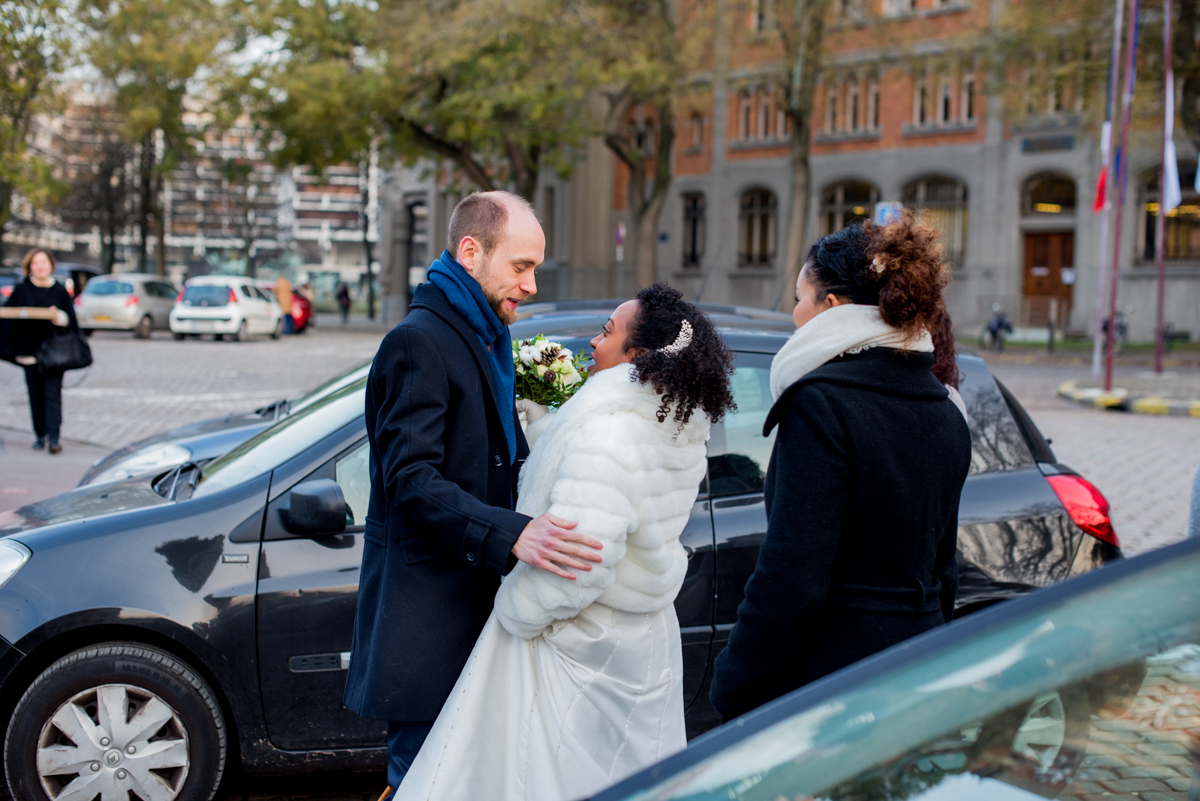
[[1175, 393], [27, 475]]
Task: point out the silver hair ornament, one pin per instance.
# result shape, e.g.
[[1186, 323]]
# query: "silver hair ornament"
[[682, 341]]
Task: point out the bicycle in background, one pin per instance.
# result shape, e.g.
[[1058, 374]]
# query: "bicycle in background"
[[996, 330]]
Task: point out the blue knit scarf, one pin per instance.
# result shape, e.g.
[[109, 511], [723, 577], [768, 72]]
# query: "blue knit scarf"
[[467, 298]]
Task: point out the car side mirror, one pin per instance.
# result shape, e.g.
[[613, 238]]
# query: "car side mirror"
[[317, 507]]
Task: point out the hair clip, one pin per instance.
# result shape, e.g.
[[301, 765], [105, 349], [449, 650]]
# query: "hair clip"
[[682, 341], [878, 265]]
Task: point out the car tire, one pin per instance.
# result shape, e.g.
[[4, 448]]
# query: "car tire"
[[178, 337], [277, 332], [144, 328], [218, 337], [243, 332], [87, 332], [61, 731]]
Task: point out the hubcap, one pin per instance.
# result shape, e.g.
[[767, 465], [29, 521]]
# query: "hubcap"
[[1044, 731], [113, 741]]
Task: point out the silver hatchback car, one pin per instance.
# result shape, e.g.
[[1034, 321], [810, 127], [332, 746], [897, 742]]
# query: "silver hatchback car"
[[137, 302]]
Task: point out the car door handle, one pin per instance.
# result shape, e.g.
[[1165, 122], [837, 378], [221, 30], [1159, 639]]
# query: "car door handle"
[[689, 551]]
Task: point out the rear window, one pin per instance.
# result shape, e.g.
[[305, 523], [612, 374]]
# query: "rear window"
[[206, 295], [997, 443], [108, 288]]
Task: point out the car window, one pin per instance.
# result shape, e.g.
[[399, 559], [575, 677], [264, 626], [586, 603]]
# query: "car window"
[[738, 453], [354, 477], [206, 295], [1093, 694], [167, 290], [996, 441], [283, 441], [108, 288], [246, 291], [262, 295]]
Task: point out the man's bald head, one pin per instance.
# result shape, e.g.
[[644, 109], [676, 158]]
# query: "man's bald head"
[[483, 216]]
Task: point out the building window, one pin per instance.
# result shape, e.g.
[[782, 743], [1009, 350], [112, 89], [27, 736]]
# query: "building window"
[[781, 123], [1051, 195], [852, 118], [944, 202], [744, 115], [1183, 221], [873, 106], [697, 130], [967, 104], [920, 104], [764, 116], [756, 229], [548, 218], [945, 106], [759, 18], [898, 8], [831, 109], [693, 229], [846, 203]]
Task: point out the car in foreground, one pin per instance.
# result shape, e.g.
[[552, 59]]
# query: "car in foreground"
[[205, 440], [137, 302], [225, 306], [214, 605], [1087, 690]]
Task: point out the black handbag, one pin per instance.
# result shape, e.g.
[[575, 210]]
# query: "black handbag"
[[67, 351]]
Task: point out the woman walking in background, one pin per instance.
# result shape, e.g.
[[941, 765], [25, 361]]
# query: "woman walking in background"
[[863, 486], [40, 290]]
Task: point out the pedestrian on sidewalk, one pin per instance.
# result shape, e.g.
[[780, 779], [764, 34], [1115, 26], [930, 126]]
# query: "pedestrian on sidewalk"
[[283, 294], [343, 301], [40, 290], [863, 487]]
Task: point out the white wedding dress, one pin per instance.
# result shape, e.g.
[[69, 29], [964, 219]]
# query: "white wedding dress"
[[574, 685]]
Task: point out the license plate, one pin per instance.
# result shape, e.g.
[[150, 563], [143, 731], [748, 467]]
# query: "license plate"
[[103, 318], [203, 325]]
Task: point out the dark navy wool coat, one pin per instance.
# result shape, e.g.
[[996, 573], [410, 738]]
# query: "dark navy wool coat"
[[440, 522], [862, 498]]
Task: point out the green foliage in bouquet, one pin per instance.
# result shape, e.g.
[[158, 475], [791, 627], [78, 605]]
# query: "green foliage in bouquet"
[[547, 373]]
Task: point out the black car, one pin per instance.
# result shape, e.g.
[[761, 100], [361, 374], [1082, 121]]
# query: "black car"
[[207, 615]]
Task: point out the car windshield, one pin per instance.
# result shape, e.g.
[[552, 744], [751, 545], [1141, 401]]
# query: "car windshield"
[[108, 288], [206, 295], [283, 441], [1096, 693]]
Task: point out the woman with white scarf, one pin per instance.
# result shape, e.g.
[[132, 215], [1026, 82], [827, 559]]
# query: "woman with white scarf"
[[577, 683], [863, 486]]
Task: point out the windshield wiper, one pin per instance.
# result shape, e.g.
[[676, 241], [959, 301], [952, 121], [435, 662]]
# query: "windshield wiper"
[[185, 476], [276, 411]]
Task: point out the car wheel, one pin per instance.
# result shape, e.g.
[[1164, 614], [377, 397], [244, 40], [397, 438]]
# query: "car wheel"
[[116, 721], [179, 337], [1050, 732], [144, 327], [87, 332], [277, 332], [218, 337], [242, 332]]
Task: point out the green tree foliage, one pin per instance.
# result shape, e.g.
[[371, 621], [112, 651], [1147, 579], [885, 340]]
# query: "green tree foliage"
[[34, 49], [153, 54]]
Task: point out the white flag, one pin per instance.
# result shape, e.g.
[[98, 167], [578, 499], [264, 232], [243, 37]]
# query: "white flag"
[[1171, 194]]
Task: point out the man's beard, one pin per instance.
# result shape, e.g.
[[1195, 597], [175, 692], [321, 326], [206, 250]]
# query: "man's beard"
[[505, 316]]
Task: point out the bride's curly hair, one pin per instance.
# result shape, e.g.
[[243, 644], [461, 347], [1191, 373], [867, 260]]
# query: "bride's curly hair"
[[698, 375]]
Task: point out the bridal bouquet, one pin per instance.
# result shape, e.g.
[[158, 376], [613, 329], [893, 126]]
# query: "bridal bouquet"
[[547, 373]]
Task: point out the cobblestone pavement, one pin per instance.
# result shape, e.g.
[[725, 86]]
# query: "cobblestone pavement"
[[136, 388], [1143, 464]]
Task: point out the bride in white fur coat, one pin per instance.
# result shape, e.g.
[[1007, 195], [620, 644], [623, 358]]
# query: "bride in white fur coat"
[[576, 684]]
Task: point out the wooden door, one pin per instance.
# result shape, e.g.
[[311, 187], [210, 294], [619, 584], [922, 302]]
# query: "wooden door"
[[1049, 279]]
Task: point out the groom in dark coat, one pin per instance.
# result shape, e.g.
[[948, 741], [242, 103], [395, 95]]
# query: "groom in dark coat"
[[446, 450]]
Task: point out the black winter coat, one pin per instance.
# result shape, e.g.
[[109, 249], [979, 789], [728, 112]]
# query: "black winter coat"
[[25, 337], [862, 500], [440, 527]]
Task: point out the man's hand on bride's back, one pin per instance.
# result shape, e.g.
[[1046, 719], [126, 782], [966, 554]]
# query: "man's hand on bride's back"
[[550, 543]]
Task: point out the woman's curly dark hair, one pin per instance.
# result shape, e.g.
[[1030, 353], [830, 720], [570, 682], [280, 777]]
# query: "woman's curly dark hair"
[[699, 374]]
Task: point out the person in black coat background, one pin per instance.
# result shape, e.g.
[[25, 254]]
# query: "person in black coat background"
[[446, 449], [863, 486], [25, 338]]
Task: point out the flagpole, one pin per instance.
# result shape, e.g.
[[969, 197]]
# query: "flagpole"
[[1103, 204], [1122, 173], [1168, 154]]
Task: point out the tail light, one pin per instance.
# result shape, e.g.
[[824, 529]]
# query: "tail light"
[[78, 300], [179, 297], [132, 300], [1086, 506], [6, 291], [232, 295]]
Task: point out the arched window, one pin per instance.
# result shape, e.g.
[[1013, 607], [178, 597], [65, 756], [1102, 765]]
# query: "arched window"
[[764, 116], [1048, 195], [944, 201], [846, 203], [756, 228], [745, 111], [1183, 221]]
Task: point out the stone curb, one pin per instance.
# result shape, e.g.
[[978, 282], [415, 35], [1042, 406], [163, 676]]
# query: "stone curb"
[[1123, 401]]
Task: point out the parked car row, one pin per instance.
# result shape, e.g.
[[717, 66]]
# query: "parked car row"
[[223, 306], [235, 636]]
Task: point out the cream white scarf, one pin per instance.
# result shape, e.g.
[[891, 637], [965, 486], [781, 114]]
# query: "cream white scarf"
[[849, 328]]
